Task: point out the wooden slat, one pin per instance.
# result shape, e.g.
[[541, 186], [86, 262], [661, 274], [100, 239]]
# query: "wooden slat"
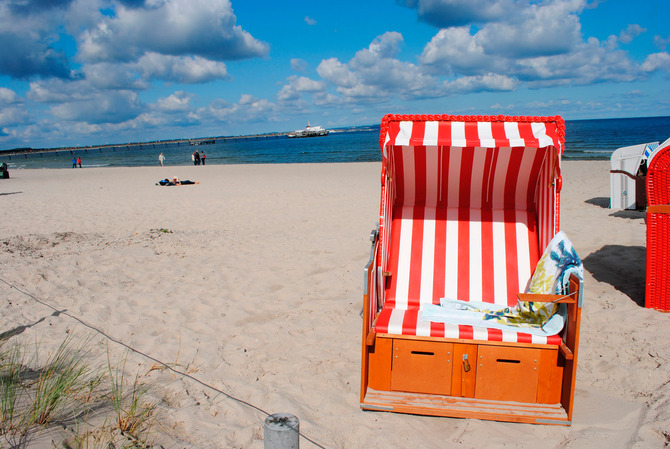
[[448, 406]]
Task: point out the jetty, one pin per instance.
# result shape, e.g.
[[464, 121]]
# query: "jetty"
[[142, 145]]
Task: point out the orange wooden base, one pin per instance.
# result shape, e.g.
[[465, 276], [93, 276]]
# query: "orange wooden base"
[[441, 405], [468, 379]]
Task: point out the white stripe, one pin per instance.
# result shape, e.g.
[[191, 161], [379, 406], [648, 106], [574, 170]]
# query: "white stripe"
[[523, 249], [512, 133], [395, 321], [427, 257], [430, 133], [404, 134], [404, 256], [509, 336], [451, 262], [475, 268], [422, 327], [409, 175], [538, 339], [540, 133], [499, 259], [432, 175], [485, 135], [458, 134], [455, 156], [480, 333]]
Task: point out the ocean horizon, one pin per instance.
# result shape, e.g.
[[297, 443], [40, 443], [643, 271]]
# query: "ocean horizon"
[[593, 139]]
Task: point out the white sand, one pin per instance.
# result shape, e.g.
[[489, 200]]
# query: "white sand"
[[257, 291]]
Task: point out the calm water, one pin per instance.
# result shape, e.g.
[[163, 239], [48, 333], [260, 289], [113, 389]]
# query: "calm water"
[[585, 139]]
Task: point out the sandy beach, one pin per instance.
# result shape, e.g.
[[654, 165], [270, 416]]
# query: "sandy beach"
[[256, 289]]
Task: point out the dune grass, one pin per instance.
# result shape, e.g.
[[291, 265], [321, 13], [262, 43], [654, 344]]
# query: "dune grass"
[[65, 394]]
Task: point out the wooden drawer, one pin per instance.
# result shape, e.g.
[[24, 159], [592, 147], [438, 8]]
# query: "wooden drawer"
[[422, 366], [507, 374]]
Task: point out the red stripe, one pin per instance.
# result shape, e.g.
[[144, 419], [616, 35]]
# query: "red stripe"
[[524, 338], [511, 177], [444, 133], [472, 134], [418, 131], [465, 179], [465, 332], [463, 288], [440, 254], [526, 133], [419, 176], [437, 329], [499, 135], [416, 259], [393, 258], [533, 247], [399, 175], [409, 321], [494, 335], [393, 130], [382, 324], [534, 177], [488, 285]]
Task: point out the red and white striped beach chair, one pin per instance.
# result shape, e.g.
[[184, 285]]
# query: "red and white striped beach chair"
[[468, 204]]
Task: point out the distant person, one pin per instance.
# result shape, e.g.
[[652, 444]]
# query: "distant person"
[[203, 157], [161, 159], [79, 161], [74, 162], [193, 158], [197, 157]]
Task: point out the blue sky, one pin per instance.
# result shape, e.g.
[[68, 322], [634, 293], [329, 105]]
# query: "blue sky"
[[80, 72]]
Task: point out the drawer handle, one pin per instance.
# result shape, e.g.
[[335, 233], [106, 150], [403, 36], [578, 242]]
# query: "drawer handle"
[[508, 361], [423, 353]]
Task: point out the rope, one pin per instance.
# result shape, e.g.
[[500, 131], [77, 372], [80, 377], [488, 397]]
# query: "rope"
[[137, 351]]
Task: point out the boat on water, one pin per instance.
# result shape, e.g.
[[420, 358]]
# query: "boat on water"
[[309, 131]]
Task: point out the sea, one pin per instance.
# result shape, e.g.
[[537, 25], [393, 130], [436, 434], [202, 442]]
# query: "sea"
[[585, 139]]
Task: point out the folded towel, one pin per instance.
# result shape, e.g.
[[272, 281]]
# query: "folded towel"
[[551, 276]]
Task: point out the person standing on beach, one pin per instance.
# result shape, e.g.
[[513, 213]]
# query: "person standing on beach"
[[74, 162], [79, 161], [197, 157], [161, 159], [193, 158], [203, 158]]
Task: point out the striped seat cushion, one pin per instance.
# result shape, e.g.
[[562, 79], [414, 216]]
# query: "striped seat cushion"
[[466, 254]]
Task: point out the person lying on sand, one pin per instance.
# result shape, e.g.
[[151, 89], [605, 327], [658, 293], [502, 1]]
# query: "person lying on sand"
[[176, 182]]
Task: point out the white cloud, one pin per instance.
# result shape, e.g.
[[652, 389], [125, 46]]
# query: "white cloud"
[[180, 69], [101, 107], [179, 101], [205, 28], [8, 96], [656, 61], [297, 85], [490, 82], [537, 30], [310, 21], [631, 32], [298, 65]]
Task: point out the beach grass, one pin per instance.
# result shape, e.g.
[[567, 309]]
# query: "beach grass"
[[66, 395]]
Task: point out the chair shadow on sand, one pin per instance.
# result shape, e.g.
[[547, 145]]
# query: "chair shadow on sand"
[[623, 267], [604, 203]]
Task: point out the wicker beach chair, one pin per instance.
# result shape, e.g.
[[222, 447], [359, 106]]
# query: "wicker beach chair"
[[657, 292], [468, 204]]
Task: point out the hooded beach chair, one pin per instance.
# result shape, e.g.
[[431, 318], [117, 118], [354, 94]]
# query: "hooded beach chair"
[[468, 205]]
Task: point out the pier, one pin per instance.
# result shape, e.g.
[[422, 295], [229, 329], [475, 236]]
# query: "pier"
[[142, 145]]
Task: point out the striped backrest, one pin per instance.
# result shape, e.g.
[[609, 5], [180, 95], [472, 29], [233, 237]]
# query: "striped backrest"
[[499, 175]]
